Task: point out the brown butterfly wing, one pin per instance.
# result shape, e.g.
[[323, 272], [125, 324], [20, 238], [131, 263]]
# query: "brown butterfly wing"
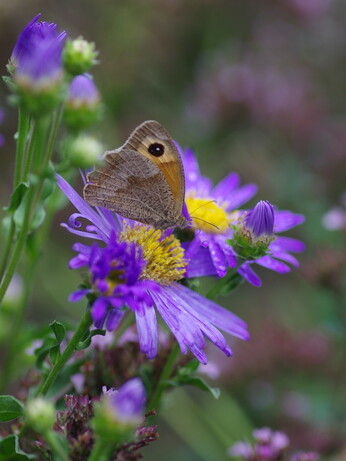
[[150, 133], [131, 185]]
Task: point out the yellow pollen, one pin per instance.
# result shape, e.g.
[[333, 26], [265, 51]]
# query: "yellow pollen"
[[207, 215], [164, 257]]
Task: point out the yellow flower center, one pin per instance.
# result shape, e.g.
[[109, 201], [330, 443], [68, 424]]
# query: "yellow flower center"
[[164, 257], [207, 215]]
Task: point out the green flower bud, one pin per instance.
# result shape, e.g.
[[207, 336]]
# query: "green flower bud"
[[79, 55], [40, 415], [84, 151]]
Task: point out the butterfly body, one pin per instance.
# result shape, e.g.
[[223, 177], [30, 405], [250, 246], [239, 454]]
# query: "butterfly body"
[[143, 180]]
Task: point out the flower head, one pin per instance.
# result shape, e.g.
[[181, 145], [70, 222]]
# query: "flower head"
[[129, 401], [36, 63], [211, 252], [213, 210], [83, 150], [148, 265]]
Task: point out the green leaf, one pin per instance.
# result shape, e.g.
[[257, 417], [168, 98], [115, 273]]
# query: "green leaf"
[[17, 197], [10, 408], [59, 331], [85, 342], [10, 450]]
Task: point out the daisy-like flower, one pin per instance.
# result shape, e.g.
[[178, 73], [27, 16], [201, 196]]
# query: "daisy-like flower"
[[139, 269], [215, 214], [213, 210]]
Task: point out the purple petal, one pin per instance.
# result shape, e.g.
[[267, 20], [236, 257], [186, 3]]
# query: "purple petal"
[[285, 220], [290, 244], [273, 264], [284, 256], [89, 235], [129, 400], [78, 295], [200, 265], [84, 208], [114, 318], [147, 331], [218, 257], [229, 253], [249, 275], [209, 311], [99, 312], [225, 187], [241, 196]]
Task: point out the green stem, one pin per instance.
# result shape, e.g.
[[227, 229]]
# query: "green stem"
[[19, 245], [8, 248], [57, 448], [155, 399], [23, 127], [101, 450], [78, 335], [226, 284], [31, 151]]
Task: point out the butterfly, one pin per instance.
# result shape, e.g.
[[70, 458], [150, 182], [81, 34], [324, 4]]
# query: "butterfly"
[[142, 180]]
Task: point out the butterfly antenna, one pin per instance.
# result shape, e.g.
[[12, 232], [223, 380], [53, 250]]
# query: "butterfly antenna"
[[204, 204], [207, 222]]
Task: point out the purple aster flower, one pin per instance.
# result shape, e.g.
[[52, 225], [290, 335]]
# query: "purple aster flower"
[[213, 209], [148, 265], [36, 57], [218, 206], [335, 219]]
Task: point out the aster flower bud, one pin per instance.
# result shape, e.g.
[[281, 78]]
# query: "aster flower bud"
[[79, 55], [120, 411], [40, 415], [82, 107], [83, 151], [254, 231], [36, 65]]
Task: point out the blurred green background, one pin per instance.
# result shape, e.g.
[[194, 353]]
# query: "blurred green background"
[[257, 88]]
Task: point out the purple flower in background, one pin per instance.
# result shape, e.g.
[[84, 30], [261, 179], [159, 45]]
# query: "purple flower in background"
[[335, 219], [128, 402], [36, 57], [82, 92], [154, 263], [269, 445], [213, 209]]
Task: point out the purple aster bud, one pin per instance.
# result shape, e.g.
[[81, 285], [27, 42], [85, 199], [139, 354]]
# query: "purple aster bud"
[[254, 231], [82, 107], [36, 65], [79, 55], [120, 411], [260, 220]]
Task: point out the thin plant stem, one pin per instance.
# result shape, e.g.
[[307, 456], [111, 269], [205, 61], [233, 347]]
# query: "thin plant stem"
[[56, 447], [23, 127], [101, 450], [8, 248], [78, 335], [31, 151], [19, 245], [155, 399]]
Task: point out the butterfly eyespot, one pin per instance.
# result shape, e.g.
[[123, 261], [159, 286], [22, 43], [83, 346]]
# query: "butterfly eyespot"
[[156, 149]]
